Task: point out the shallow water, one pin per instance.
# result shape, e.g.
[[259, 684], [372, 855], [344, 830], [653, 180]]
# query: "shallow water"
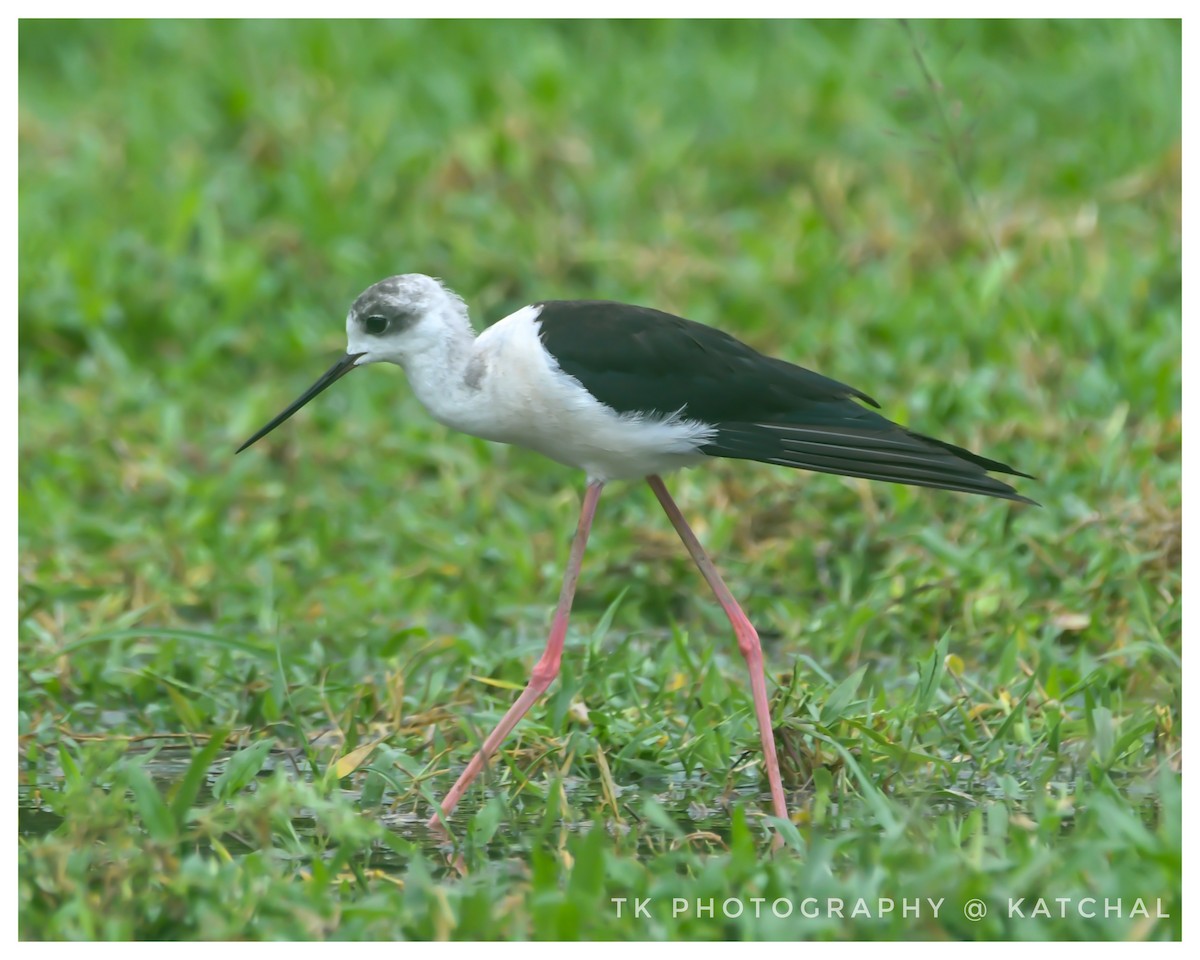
[[699, 807]]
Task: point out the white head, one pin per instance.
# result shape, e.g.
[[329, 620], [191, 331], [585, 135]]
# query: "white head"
[[392, 321], [402, 317]]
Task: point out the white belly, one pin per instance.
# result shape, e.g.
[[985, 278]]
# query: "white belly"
[[614, 447]]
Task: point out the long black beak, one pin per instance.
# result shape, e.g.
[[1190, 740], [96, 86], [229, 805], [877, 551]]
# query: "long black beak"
[[330, 376]]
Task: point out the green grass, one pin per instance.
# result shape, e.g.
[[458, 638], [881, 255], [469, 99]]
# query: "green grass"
[[973, 699]]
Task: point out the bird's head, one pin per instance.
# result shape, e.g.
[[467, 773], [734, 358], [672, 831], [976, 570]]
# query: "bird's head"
[[401, 317], [390, 322]]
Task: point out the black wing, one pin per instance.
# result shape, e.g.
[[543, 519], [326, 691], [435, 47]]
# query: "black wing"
[[635, 359]]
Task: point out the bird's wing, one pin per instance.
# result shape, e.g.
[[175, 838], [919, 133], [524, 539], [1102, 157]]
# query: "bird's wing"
[[635, 359], [639, 360]]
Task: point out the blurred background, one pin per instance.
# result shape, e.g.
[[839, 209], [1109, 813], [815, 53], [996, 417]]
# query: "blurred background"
[[976, 223]]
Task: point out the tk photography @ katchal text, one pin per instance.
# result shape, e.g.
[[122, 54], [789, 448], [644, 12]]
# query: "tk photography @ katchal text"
[[879, 908]]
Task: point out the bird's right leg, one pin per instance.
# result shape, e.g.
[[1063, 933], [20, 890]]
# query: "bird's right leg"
[[747, 640], [545, 670]]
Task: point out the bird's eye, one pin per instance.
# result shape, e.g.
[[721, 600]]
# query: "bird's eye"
[[375, 325]]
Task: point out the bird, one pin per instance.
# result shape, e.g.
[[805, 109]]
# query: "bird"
[[626, 392]]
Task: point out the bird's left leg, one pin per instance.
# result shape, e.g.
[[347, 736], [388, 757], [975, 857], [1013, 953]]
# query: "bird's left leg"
[[747, 638], [545, 670]]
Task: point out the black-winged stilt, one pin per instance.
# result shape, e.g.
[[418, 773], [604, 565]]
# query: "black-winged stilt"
[[625, 392]]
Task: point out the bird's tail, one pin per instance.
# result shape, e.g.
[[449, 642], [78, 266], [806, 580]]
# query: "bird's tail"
[[877, 450]]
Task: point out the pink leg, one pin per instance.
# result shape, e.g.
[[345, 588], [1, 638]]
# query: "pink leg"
[[545, 670], [747, 638]]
